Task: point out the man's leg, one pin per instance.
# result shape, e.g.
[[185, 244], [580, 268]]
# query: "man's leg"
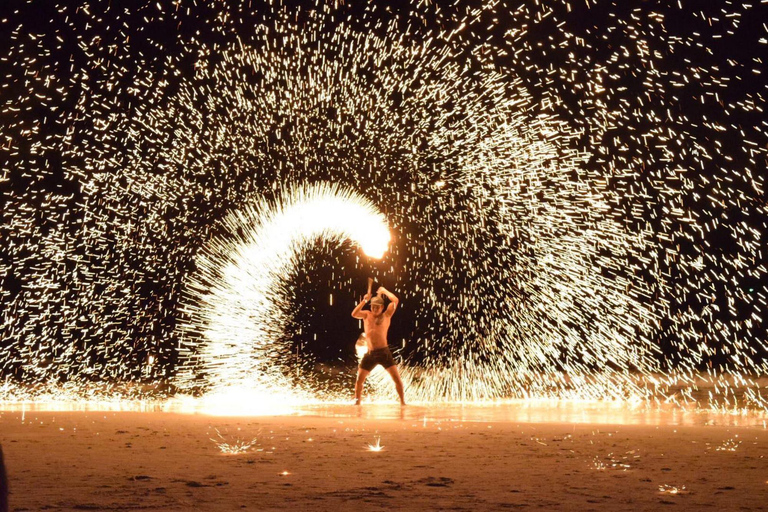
[[361, 376], [398, 382]]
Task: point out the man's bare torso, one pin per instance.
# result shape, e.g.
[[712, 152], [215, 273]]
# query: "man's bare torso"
[[376, 328]]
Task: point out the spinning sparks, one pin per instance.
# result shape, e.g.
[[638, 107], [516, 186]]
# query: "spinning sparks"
[[237, 298], [576, 194]]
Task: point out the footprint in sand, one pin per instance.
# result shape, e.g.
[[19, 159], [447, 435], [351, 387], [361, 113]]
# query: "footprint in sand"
[[432, 481]]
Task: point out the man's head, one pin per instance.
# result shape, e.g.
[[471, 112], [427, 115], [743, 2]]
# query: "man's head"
[[377, 305]]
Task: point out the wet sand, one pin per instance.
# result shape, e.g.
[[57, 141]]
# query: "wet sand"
[[433, 458]]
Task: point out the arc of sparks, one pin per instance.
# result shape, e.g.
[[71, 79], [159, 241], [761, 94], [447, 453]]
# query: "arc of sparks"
[[236, 300]]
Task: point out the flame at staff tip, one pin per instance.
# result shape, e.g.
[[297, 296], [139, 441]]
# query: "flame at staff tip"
[[238, 298], [375, 242]]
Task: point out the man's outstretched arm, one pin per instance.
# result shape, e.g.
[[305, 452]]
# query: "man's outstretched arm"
[[393, 300], [358, 311]]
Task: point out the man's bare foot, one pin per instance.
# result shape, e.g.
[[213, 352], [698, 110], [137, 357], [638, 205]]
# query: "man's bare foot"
[[357, 402], [403, 404]]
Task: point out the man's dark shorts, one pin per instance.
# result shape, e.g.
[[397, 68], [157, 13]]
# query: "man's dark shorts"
[[381, 356]]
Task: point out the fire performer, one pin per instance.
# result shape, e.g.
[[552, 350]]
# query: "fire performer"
[[376, 323]]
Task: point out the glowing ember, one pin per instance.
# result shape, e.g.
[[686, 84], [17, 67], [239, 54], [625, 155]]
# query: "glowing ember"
[[672, 489], [729, 445], [376, 447], [598, 464], [361, 346], [614, 461], [233, 447]]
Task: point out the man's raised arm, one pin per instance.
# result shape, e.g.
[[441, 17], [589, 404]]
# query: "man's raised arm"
[[393, 300], [358, 311]]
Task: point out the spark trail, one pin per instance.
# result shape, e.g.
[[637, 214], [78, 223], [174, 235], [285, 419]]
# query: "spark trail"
[[237, 298], [577, 189]]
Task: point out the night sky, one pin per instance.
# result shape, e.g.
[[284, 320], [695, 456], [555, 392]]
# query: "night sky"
[[556, 177]]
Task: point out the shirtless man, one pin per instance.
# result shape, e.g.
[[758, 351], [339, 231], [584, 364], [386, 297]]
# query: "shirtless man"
[[376, 322]]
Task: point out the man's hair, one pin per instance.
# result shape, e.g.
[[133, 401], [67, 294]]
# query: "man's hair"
[[377, 301]]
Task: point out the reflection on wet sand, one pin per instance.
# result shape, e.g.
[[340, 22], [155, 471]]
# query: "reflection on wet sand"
[[530, 411], [509, 411]]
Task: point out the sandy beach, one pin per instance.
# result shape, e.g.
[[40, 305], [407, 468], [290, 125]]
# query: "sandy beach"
[[431, 459]]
